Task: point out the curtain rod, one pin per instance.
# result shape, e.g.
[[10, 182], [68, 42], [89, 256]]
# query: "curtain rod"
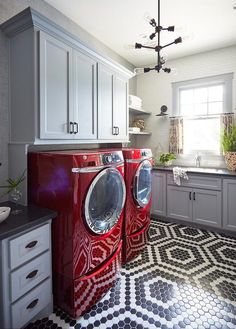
[[199, 116]]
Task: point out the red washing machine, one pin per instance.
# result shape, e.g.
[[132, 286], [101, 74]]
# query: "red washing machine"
[[87, 190], [138, 166]]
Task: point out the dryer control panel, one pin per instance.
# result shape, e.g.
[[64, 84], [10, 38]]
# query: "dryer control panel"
[[112, 158]]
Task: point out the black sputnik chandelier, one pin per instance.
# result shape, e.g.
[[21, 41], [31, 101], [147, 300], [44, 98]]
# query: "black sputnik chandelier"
[[158, 48]]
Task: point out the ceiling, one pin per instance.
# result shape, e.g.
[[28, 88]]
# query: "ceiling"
[[211, 24]]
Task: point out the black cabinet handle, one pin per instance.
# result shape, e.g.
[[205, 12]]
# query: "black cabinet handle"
[[194, 196], [32, 244], [118, 131], [76, 130], [71, 129], [114, 130], [32, 274], [190, 195], [32, 304]]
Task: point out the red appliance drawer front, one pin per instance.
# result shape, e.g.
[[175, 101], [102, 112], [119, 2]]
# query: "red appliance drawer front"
[[135, 243], [76, 297]]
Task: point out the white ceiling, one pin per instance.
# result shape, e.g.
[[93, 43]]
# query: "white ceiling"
[[119, 23]]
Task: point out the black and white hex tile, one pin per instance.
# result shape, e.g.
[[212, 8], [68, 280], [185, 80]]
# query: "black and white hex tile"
[[185, 278]]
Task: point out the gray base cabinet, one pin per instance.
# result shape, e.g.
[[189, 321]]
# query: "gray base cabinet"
[[198, 200], [206, 207], [203, 199], [178, 204], [229, 204], [26, 277], [158, 193]]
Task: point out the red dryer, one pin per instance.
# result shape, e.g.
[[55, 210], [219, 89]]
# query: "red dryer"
[[138, 166], [87, 190]]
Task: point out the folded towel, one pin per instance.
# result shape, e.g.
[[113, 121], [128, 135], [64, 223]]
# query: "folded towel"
[[179, 173]]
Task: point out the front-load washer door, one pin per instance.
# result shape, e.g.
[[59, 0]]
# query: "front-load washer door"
[[142, 184], [105, 200]]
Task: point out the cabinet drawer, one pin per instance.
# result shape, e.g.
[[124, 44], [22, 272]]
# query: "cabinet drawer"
[[197, 181], [29, 245], [30, 305], [28, 276]]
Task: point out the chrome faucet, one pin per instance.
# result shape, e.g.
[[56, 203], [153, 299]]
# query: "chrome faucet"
[[197, 160]]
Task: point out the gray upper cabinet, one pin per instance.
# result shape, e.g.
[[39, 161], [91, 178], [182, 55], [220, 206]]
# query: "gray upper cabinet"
[[112, 104], [229, 204], [55, 85], [85, 95], [179, 203], [158, 193], [56, 102]]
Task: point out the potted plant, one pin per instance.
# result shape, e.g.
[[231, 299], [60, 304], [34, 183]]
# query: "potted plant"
[[12, 189], [229, 148], [166, 158]]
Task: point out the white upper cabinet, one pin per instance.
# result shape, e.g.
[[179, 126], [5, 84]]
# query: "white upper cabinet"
[[85, 96], [67, 92], [56, 102], [112, 104], [106, 128], [120, 107]]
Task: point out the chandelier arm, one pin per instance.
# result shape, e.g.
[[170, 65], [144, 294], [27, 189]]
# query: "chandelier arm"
[[168, 44], [148, 47]]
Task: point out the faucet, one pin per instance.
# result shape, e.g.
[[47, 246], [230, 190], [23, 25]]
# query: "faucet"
[[197, 160]]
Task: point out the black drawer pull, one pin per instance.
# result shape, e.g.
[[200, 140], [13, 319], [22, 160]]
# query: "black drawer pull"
[[32, 304], [32, 274], [194, 196], [31, 244], [190, 195]]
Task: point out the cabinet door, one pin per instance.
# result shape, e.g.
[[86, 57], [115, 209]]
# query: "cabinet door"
[[105, 103], [85, 96], [158, 194], [55, 69], [120, 106], [207, 207], [229, 204], [179, 203]]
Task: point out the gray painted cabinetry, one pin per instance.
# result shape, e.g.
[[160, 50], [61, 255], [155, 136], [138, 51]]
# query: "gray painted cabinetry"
[[204, 199], [26, 278], [158, 193], [229, 204], [55, 82]]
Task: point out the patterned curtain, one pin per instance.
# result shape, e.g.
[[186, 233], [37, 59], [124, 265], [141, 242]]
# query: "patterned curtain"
[[176, 136], [227, 121]]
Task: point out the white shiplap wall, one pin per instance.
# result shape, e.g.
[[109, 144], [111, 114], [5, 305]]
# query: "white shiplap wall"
[[155, 89]]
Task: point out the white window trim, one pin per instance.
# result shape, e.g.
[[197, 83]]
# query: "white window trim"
[[225, 79]]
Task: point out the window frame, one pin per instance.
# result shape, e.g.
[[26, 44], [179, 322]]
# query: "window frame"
[[223, 79]]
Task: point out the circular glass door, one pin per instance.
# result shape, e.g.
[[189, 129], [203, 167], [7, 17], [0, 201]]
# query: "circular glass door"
[[105, 200], [142, 183]]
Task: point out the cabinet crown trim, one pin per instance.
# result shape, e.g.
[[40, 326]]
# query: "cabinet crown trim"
[[30, 18]]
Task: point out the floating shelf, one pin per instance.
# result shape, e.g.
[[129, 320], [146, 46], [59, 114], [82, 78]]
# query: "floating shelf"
[[140, 133], [135, 111]]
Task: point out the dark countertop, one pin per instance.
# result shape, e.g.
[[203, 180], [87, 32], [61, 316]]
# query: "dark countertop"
[[28, 218], [202, 171]]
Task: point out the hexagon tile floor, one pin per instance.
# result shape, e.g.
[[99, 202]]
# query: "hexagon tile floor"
[[186, 278]]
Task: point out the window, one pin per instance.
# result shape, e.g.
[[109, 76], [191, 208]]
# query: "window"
[[201, 102]]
